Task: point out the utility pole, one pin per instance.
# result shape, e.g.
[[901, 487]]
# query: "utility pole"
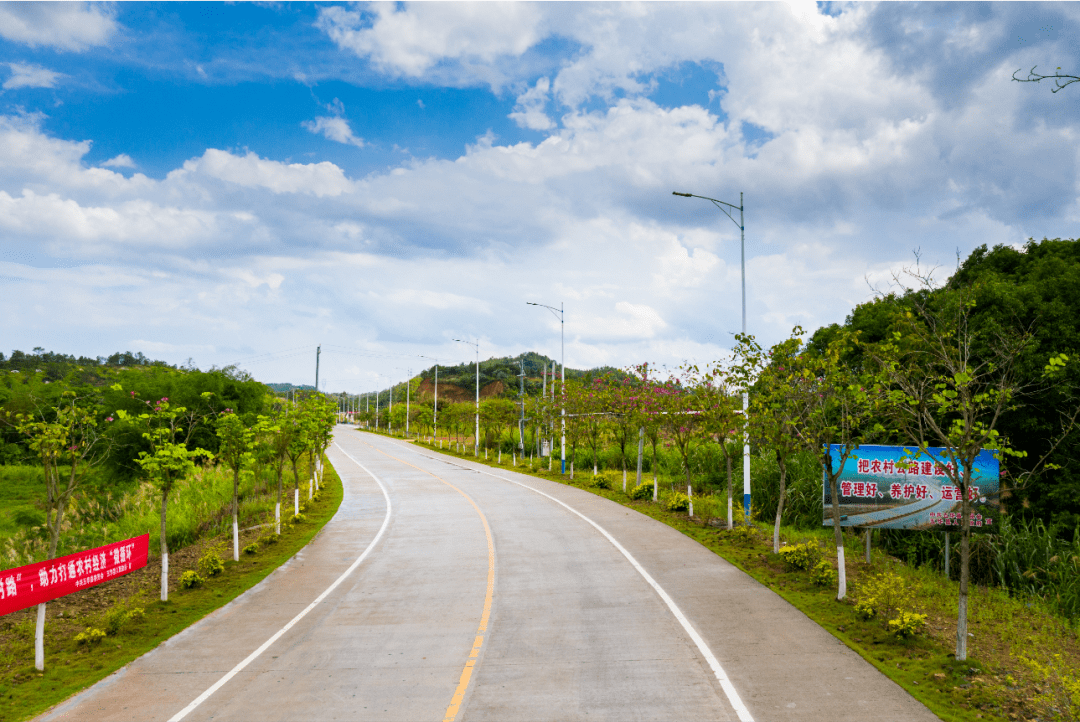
[[476, 438], [521, 421], [318, 350]]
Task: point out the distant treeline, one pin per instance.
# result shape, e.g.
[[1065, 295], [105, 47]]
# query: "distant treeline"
[[56, 365]]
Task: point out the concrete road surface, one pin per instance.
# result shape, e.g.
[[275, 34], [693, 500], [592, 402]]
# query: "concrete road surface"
[[445, 590]]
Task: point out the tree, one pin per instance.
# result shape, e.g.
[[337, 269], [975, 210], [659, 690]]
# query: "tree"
[[843, 409], [64, 435], [168, 429], [649, 413], [235, 450], [1057, 77], [593, 418], [778, 405], [720, 408], [944, 394], [622, 399], [680, 419]]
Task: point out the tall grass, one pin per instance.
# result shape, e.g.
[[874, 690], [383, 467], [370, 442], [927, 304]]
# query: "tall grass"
[[198, 505]]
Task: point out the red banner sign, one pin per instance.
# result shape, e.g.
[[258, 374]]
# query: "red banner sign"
[[42, 582]]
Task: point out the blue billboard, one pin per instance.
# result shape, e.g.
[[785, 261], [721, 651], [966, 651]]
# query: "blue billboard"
[[899, 487]]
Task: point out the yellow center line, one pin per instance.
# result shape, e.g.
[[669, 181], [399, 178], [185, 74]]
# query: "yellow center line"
[[466, 674]]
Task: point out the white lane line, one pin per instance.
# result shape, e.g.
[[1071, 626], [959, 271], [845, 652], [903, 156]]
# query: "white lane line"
[[251, 657], [703, 647]]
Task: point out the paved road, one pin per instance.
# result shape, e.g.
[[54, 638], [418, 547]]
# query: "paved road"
[[444, 590]]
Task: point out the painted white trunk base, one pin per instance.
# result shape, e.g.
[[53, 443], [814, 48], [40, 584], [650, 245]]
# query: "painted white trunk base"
[[165, 577], [235, 540], [277, 518], [296, 502], [841, 570], [39, 639], [689, 495]]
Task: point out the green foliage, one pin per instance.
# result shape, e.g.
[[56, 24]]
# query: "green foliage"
[[907, 624], [676, 501], [117, 617], [1059, 686], [210, 564], [90, 637], [823, 574], [252, 548], [642, 492], [190, 580], [883, 595], [298, 518], [800, 556], [603, 480]]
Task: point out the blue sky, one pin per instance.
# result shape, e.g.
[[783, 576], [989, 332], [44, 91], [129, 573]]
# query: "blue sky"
[[238, 183]]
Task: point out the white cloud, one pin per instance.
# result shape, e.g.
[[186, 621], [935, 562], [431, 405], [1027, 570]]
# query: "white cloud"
[[121, 161], [73, 26], [409, 41], [317, 179], [25, 75], [529, 111], [333, 128]]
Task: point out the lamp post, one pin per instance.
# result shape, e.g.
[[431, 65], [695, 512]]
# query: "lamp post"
[[476, 435], [561, 311], [724, 206], [435, 411]]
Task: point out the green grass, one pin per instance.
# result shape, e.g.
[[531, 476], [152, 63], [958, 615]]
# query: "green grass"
[[993, 683], [69, 668]]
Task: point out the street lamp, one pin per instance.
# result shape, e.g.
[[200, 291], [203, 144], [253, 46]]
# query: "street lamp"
[[723, 206], [561, 311], [476, 436], [435, 413]]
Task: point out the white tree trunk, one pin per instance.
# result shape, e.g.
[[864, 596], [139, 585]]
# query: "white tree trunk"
[[689, 495], [841, 570], [277, 518], [296, 502], [624, 480], [39, 639], [165, 576], [235, 539]]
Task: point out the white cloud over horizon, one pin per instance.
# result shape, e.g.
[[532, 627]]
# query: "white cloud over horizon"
[[851, 150]]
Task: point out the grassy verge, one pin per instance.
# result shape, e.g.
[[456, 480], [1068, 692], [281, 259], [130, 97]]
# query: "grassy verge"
[[71, 667], [1022, 657]]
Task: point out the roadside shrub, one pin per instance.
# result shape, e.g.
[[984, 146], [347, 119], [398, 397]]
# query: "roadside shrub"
[[297, 518], [90, 637], [190, 580], [600, 481], [907, 624], [800, 556], [251, 548], [1059, 686], [883, 595], [677, 501], [642, 492], [823, 574], [210, 565], [118, 617], [267, 539]]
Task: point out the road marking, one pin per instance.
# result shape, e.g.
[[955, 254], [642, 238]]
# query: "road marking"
[[251, 657], [466, 674], [721, 676]]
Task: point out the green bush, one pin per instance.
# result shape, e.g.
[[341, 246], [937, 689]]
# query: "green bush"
[[252, 548], [907, 624], [118, 617], [267, 539], [642, 492], [883, 595], [800, 556], [211, 564], [677, 501], [600, 481], [823, 574], [297, 518], [90, 637], [189, 580]]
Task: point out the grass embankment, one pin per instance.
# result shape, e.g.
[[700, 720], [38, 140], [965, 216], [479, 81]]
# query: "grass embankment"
[[995, 682], [71, 667]]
